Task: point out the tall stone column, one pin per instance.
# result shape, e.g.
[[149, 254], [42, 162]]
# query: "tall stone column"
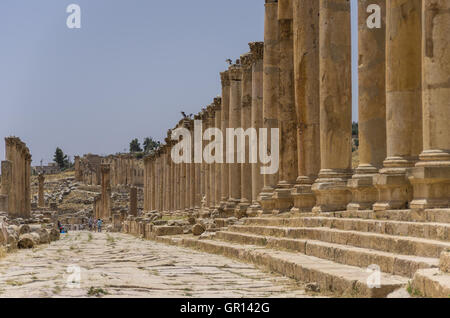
[[335, 107], [246, 123], [11, 157], [287, 113], [199, 185], [234, 189], [188, 190], [431, 176], [212, 166], [28, 184], [157, 181], [192, 179], [270, 93], [41, 200], [225, 117], [257, 54], [164, 179], [307, 99], [218, 166], [106, 192], [403, 103], [133, 201], [153, 183], [371, 106]]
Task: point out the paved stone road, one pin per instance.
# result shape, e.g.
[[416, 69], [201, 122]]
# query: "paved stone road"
[[118, 265]]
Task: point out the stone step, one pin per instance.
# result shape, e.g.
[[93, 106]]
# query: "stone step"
[[432, 231], [434, 215], [402, 265], [333, 277], [431, 283], [381, 242]]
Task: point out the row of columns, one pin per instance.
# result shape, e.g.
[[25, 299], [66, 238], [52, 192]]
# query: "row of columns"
[[16, 178], [299, 81]]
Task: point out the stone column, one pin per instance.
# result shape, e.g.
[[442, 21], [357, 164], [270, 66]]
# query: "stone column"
[[199, 186], [7, 171], [218, 166], [372, 107], [147, 183], [246, 123], [257, 54], [234, 189], [157, 182], [106, 192], [431, 177], [192, 180], [28, 185], [183, 200], [206, 166], [78, 174], [41, 200], [225, 116], [188, 190], [153, 183], [335, 107], [270, 93], [10, 156], [133, 201], [212, 166], [403, 103], [307, 99], [287, 113]]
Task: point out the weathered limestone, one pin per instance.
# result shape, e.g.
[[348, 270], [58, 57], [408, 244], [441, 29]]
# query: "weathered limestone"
[[307, 99], [133, 201], [225, 117], [287, 115], [372, 108], [41, 202], [78, 174], [403, 103], [257, 54], [270, 93], [431, 176], [217, 166], [16, 179], [235, 72], [212, 166], [246, 122], [330, 188], [105, 199]]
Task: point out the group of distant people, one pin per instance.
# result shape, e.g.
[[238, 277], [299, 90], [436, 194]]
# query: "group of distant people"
[[95, 224]]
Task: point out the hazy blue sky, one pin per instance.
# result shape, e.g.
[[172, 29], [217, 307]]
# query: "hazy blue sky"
[[128, 72]]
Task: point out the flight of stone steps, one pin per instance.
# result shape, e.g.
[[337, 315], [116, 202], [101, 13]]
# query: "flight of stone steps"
[[338, 251]]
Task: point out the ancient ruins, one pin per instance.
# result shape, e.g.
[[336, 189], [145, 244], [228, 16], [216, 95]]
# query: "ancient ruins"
[[318, 219]]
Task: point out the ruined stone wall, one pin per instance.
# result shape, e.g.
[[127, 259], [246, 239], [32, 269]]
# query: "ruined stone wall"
[[15, 193]]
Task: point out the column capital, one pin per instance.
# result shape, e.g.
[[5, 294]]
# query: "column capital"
[[247, 61], [225, 78], [217, 104], [257, 51], [235, 72]]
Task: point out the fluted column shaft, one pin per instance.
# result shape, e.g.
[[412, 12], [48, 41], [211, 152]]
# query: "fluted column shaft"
[[218, 166], [41, 200], [225, 116]]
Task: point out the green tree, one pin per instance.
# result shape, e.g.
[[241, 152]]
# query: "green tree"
[[355, 129], [150, 144], [135, 146], [60, 158]]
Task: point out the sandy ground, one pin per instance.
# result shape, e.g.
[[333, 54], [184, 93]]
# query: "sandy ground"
[[84, 264]]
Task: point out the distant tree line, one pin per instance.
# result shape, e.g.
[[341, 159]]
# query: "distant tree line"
[[149, 145]]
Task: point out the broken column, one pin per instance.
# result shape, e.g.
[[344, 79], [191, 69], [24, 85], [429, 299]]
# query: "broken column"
[[270, 94], [330, 188], [106, 192], [133, 201], [431, 176], [257, 50], [287, 115], [6, 185], [403, 103], [371, 106], [41, 200], [307, 99]]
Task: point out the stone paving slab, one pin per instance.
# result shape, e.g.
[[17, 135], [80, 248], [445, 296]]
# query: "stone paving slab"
[[125, 266]]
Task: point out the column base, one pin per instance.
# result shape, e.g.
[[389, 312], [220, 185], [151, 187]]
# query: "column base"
[[364, 193], [254, 209], [283, 199], [394, 189], [267, 201], [431, 186], [241, 209], [331, 191], [304, 198]]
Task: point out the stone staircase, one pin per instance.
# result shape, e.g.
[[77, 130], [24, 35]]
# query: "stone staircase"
[[335, 250]]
